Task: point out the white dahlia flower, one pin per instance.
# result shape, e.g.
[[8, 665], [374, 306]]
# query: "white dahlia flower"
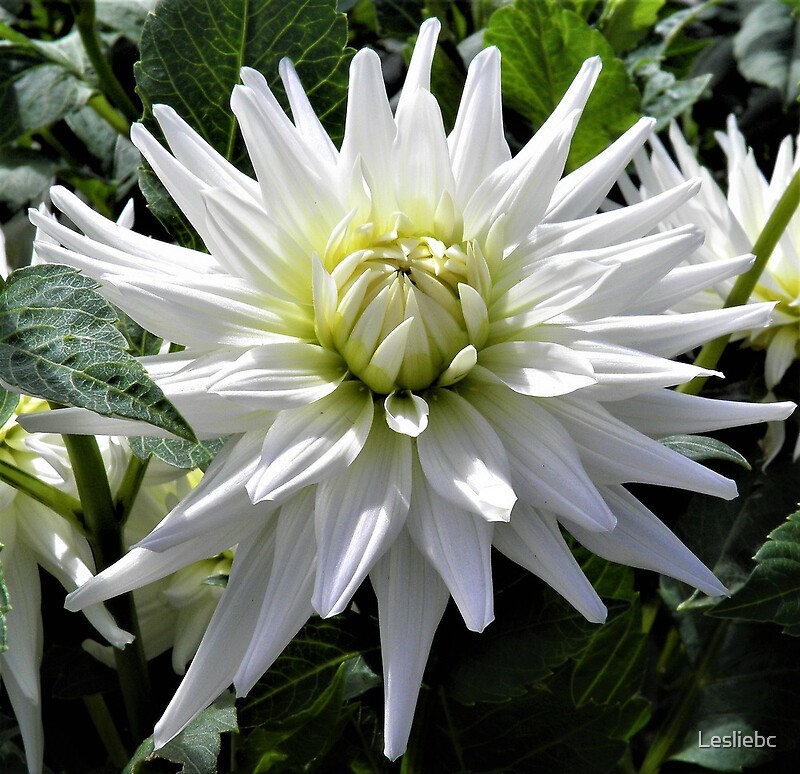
[[422, 348], [732, 223]]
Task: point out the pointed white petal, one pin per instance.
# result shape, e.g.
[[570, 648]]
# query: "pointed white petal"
[[464, 460], [545, 466], [782, 351], [458, 544], [227, 638], [641, 540], [358, 515], [411, 601], [28, 715], [308, 444], [419, 68], [287, 598], [532, 539], [615, 453]]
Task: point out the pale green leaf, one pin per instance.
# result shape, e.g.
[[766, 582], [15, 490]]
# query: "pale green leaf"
[[700, 447], [178, 452], [625, 22]]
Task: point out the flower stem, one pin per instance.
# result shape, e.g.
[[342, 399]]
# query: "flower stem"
[[84, 12], [674, 727], [56, 500], [776, 224], [129, 488], [104, 725], [105, 535], [110, 114]]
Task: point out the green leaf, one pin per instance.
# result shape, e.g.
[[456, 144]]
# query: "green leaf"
[[540, 731], [766, 48], [125, 16], [177, 452], [399, 18], [611, 669], [36, 97], [8, 403], [297, 711], [700, 447], [625, 22], [197, 747], [5, 606], [543, 47], [140, 341], [192, 52], [58, 341], [24, 177], [665, 97], [772, 592], [752, 685]]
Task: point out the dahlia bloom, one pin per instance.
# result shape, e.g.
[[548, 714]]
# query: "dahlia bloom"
[[732, 222], [422, 348]]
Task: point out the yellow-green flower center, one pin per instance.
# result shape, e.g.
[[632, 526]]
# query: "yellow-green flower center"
[[400, 316]]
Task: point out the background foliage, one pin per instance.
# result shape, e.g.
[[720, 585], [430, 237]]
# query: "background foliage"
[[542, 689]]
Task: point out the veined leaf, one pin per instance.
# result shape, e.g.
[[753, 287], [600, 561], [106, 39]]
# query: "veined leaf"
[[177, 452], [197, 747], [543, 47], [58, 342], [772, 592]]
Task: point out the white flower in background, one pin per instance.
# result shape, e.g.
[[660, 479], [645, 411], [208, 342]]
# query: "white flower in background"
[[423, 348], [732, 223], [33, 536]]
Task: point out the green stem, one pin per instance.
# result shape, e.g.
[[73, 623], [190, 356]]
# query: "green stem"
[[711, 352], [106, 539], [84, 11], [104, 725], [674, 727], [110, 114], [56, 500], [129, 488]]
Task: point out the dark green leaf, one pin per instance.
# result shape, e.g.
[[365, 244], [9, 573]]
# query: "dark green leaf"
[[772, 592], [540, 731], [8, 403], [178, 452], [752, 685], [399, 18], [197, 747], [140, 341], [611, 669], [193, 50], [700, 447], [543, 47], [58, 341]]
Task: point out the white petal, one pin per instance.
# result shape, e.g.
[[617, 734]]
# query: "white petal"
[[667, 412], [546, 469], [538, 368], [458, 544], [227, 638], [411, 601], [641, 540], [615, 453], [308, 444], [281, 375], [464, 460], [358, 515], [532, 539], [406, 413], [287, 598], [28, 715], [477, 143], [419, 68], [782, 351]]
